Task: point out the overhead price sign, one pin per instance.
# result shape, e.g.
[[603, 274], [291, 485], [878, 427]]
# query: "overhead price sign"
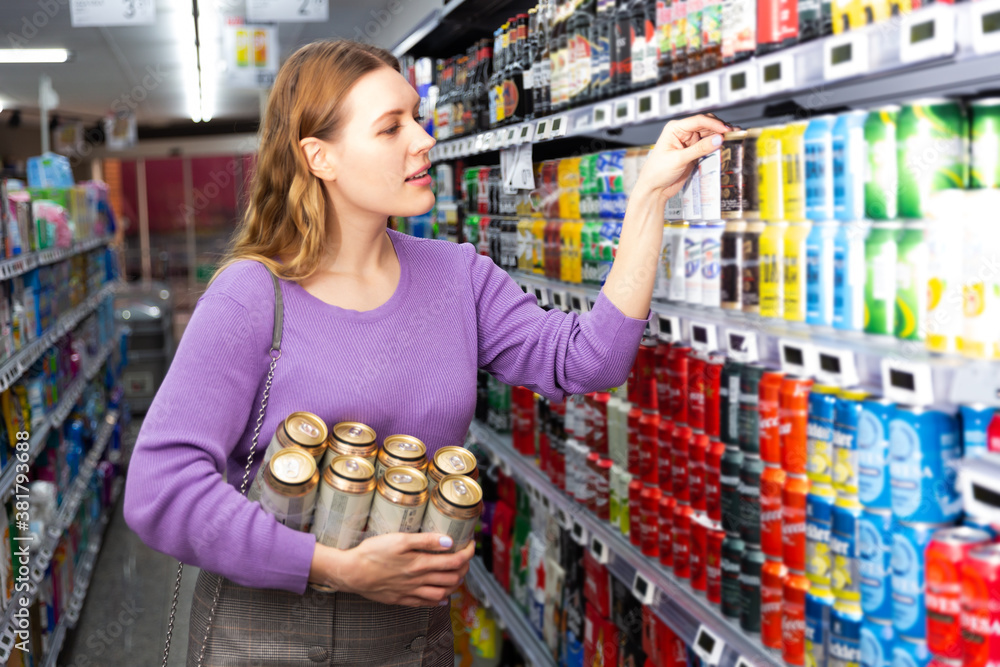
[[98, 13], [288, 11], [251, 55]]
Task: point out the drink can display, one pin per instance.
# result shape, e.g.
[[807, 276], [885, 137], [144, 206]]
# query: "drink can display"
[[793, 619], [749, 490], [289, 487], [399, 503], [769, 174], [691, 199], [711, 265], [793, 423], [677, 371], [932, 140], [649, 429], [614, 504], [818, 141], [732, 555], [819, 273], [451, 461], [751, 181], [881, 175], [729, 486], [881, 255], [772, 585], [751, 266], [772, 483], [667, 507], [980, 616], [649, 521], [822, 412], [299, 429], [877, 641], [665, 459], [793, 171], [819, 522], [948, 549], [693, 281], [910, 652], [850, 159], [602, 489], [772, 269], [729, 402], [661, 288], [731, 265], [610, 176], [453, 509], [980, 289], [350, 439], [819, 608], [749, 418], [633, 513], [661, 364], [768, 408], [985, 168], [912, 259], [709, 172], [696, 391], [683, 515], [875, 530], [845, 579], [713, 399], [401, 450], [849, 268], [924, 453], [698, 452], [731, 175], [847, 415], [975, 421], [794, 502], [713, 486], [679, 464], [845, 635], [751, 566], [589, 479], [677, 269], [874, 486], [634, 447], [699, 547], [909, 610], [345, 499], [795, 271], [713, 563], [944, 285]]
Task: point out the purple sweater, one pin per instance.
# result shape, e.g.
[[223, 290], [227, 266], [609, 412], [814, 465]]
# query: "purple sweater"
[[408, 366]]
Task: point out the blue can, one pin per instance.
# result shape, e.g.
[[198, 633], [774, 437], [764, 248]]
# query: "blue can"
[[610, 167], [819, 273], [818, 141], [819, 609], [845, 635], [877, 641], [845, 580], [849, 161], [819, 433], [873, 453], [925, 449], [849, 275], [819, 525], [908, 652], [975, 421], [845, 445], [909, 547], [875, 530]]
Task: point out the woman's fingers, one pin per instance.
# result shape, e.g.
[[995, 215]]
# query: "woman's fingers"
[[702, 123]]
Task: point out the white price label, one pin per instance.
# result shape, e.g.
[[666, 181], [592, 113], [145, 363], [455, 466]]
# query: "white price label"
[[527, 133], [652, 328], [283, 11], [559, 126], [600, 116], [704, 337], [741, 345], [578, 304], [740, 83], [742, 662], [678, 98], [480, 142], [511, 136], [563, 519], [985, 17], [499, 139], [623, 112], [100, 13], [524, 287], [542, 295], [591, 302], [579, 533], [647, 105], [599, 550], [906, 382], [560, 300], [927, 33], [643, 591], [845, 55], [707, 645], [705, 92], [797, 358], [776, 74], [669, 328], [836, 367], [581, 122], [519, 171], [542, 130]]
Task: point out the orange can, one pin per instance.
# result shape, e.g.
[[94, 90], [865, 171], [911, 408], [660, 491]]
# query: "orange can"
[[768, 393], [772, 483], [793, 521], [793, 619], [793, 416], [772, 591]]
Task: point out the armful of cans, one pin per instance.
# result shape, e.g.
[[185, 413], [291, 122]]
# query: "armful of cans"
[[340, 485]]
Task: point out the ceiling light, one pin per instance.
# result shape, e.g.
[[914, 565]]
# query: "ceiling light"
[[208, 57], [22, 56]]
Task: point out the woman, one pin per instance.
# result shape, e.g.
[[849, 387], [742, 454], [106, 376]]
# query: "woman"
[[379, 328]]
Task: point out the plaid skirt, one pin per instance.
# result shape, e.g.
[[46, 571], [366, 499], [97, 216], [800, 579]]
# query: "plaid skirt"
[[255, 627]]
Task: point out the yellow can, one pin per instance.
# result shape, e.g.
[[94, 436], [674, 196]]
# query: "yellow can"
[[525, 246], [847, 14], [793, 171], [772, 263], [565, 251], [568, 174], [769, 178], [538, 246], [795, 270]]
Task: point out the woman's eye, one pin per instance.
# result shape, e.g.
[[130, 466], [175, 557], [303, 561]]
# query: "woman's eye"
[[391, 130]]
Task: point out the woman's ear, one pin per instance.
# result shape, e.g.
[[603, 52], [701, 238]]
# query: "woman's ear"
[[319, 158]]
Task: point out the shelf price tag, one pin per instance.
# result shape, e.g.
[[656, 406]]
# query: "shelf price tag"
[[582, 122], [600, 116], [985, 16], [563, 519], [740, 83], [469, 146], [623, 111], [526, 134], [559, 126], [591, 301], [707, 645], [643, 591], [669, 328], [836, 367], [678, 99], [742, 662], [579, 533], [560, 299], [906, 382], [652, 329], [777, 74], [511, 136], [704, 337], [927, 33], [542, 295], [797, 358], [705, 92], [599, 550], [542, 130], [845, 55], [488, 141], [577, 303], [647, 105], [741, 345]]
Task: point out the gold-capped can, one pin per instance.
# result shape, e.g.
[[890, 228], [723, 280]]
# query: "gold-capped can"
[[351, 439], [453, 509], [399, 503], [345, 498], [289, 487], [299, 429], [401, 450], [451, 461]]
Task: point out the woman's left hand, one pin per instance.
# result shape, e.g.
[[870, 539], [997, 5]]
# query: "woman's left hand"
[[681, 143]]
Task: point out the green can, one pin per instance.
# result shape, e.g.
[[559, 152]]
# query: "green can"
[[590, 189], [912, 275], [732, 557], [985, 172], [751, 566], [880, 278], [748, 421], [589, 248], [881, 175], [932, 153], [729, 490], [729, 403]]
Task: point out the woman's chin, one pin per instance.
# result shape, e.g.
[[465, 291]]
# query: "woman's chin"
[[419, 205]]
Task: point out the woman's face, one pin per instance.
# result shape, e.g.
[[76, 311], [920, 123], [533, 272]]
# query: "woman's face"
[[381, 154]]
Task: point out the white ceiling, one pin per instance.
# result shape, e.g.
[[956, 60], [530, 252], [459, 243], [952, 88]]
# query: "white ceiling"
[[109, 64]]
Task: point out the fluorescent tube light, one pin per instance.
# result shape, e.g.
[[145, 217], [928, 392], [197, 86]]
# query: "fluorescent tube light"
[[26, 56]]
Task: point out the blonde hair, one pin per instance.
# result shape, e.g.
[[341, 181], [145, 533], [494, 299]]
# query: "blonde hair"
[[288, 207]]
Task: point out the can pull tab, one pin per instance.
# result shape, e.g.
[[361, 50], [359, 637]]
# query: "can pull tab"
[[456, 463], [401, 478], [355, 431], [308, 429], [352, 466], [289, 468], [408, 446], [460, 487]]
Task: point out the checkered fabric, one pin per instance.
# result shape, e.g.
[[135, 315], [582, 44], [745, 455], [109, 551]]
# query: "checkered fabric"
[[256, 627]]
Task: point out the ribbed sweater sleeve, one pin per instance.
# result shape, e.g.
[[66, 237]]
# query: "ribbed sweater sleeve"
[[175, 496], [550, 352]]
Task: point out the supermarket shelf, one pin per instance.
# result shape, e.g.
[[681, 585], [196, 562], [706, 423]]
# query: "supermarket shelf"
[[16, 266], [881, 63], [42, 556], [485, 588], [685, 611], [14, 367]]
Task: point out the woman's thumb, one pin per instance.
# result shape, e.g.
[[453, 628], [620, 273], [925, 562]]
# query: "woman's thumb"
[[702, 148]]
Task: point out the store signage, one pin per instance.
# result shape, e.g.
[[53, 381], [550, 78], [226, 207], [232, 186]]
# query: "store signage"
[[251, 55], [776, 75], [705, 92], [99, 13], [985, 16], [926, 34], [907, 382], [845, 55], [289, 11], [120, 131], [741, 345], [740, 83]]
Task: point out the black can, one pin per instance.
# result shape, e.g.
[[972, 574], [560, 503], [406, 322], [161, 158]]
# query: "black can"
[[751, 266], [731, 175], [731, 265], [732, 558], [750, 473], [751, 187], [751, 566], [729, 488], [749, 419], [729, 403]]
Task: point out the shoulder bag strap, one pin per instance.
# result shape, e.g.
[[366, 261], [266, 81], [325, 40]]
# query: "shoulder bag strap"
[[274, 354]]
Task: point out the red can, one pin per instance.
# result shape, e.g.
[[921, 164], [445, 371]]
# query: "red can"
[[699, 546], [713, 488], [677, 370], [650, 521], [793, 619], [649, 427], [634, 456], [602, 489], [772, 591], [945, 553], [667, 505], [682, 540], [661, 360], [635, 488], [665, 449], [589, 419], [980, 612], [793, 418], [993, 433], [696, 391], [713, 385], [697, 453], [793, 521], [681, 449], [593, 471], [599, 410], [772, 483], [777, 24], [646, 375], [713, 562], [768, 394]]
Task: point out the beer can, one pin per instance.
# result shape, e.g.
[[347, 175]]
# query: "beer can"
[[590, 474], [649, 521], [729, 402], [985, 169], [696, 390], [599, 410], [614, 502], [793, 619], [699, 547], [847, 414], [909, 609], [944, 284], [793, 421], [877, 641], [819, 609], [683, 515], [661, 361], [711, 265], [924, 454], [350, 439], [912, 282], [881, 258], [602, 489], [750, 476], [769, 174], [932, 137], [749, 418], [401, 450], [729, 487], [980, 288], [634, 512], [819, 522], [850, 158], [678, 375], [731, 265], [948, 549], [299, 429], [980, 615], [713, 484], [795, 271], [875, 531], [751, 266], [667, 506], [751, 566], [453, 509], [731, 174], [772, 483], [679, 460], [751, 181], [772, 585], [649, 427], [713, 398], [709, 172], [793, 171], [693, 282], [845, 635], [451, 461], [818, 141], [882, 174], [646, 395], [732, 555], [768, 427], [772, 269], [345, 499], [289, 487], [845, 579], [665, 458], [400, 501], [794, 501], [975, 421], [822, 411], [634, 444], [713, 563], [819, 273], [677, 269], [909, 652], [849, 275], [873, 453], [697, 454]]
